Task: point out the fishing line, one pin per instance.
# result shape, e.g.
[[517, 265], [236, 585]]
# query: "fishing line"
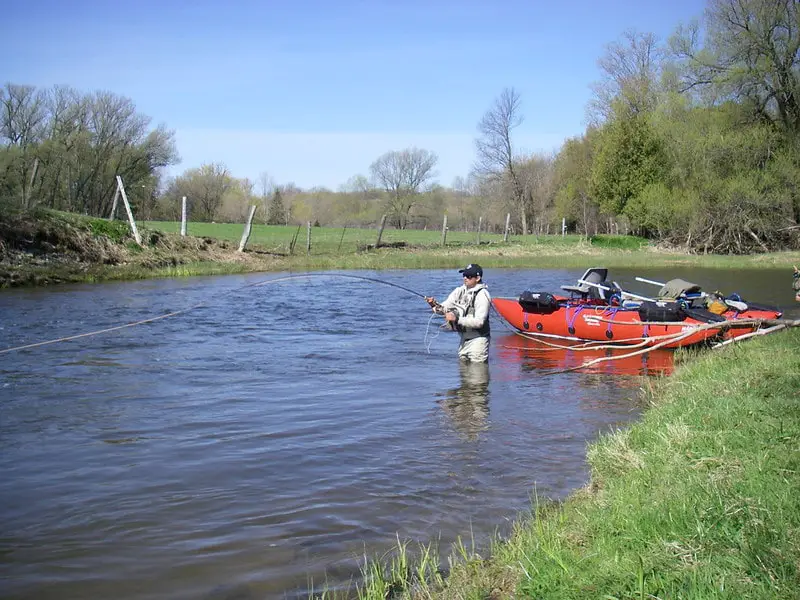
[[202, 304]]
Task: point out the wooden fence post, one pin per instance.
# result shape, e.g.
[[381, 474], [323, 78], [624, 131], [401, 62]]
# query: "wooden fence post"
[[114, 203], [293, 243], [121, 191], [508, 224], [247, 228], [308, 237], [380, 231], [444, 231], [183, 216]]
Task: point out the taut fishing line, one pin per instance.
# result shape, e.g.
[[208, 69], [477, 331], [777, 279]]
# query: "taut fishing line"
[[202, 304]]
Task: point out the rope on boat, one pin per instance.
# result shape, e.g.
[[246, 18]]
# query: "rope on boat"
[[772, 325], [202, 304]]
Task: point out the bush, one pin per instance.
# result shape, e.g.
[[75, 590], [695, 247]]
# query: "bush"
[[113, 230]]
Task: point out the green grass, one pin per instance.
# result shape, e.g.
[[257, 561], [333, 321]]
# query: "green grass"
[[621, 242], [699, 500], [343, 240]]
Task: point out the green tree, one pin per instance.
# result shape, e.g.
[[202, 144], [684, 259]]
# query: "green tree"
[[276, 215], [573, 167], [630, 156], [64, 149], [751, 55]]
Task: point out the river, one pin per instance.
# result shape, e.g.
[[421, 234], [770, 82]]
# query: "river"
[[264, 442]]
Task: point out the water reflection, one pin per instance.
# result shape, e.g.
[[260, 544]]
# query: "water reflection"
[[467, 406], [536, 355]]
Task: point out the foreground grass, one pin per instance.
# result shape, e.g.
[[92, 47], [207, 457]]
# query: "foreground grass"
[[701, 499]]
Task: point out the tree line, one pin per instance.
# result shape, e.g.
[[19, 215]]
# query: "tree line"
[[692, 141]]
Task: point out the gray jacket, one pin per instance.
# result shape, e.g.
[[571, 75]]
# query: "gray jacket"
[[473, 309]]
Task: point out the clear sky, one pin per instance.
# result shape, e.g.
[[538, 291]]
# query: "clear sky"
[[312, 92]]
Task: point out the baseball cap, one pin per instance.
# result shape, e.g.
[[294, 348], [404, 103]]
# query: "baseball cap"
[[471, 270]]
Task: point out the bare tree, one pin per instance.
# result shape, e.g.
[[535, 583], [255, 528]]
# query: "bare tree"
[[205, 188], [631, 70], [403, 174], [496, 155]]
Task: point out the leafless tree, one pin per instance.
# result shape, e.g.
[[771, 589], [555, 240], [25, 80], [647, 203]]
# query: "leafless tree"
[[403, 174], [631, 70], [497, 158], [204, 187]]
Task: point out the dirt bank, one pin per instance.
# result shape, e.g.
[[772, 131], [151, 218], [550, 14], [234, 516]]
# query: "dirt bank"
[[47, 247]]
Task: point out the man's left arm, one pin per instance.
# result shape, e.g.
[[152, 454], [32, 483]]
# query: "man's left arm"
[[482, 303]]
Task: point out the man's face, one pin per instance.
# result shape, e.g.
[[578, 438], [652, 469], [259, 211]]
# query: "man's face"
[[471, 281]]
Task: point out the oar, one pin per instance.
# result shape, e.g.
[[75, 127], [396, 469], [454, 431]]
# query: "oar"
[[622, 292], [643, 280]]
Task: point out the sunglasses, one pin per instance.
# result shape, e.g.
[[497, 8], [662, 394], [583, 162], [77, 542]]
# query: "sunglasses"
[[470, 276]]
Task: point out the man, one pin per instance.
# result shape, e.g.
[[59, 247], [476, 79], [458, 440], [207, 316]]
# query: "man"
[[467, 311], [796, 284]]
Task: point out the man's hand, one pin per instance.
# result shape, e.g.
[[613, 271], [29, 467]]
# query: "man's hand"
[[451, 317], [431, 300]]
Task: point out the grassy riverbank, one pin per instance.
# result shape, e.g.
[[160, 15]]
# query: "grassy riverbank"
[[701, 499], [46, 247]]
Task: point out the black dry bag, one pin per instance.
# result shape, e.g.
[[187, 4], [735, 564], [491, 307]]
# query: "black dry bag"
[[540, 303], [661, 312]]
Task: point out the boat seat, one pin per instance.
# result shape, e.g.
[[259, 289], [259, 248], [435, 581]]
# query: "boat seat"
[[594, 275]]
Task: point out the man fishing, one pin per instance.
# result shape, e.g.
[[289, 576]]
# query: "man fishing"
[[466, 309], [796, 284]]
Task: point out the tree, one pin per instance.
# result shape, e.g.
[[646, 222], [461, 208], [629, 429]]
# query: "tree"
[[276, 215], [22, 118], [573, 168], [403, 174], [630, 156], [751, 55], [79, 142], [205, 188], [631, 69], [496, 156]]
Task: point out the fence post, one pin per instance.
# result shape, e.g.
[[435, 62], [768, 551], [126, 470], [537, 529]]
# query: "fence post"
[[380, 231], [247, 228], [308, 237], [563, 226], [183, 216], [444, 230], [114, 203], [480, 222], [121, 191], [508, 224], [293, 243]]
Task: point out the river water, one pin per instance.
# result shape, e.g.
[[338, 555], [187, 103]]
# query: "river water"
[[263, 443]]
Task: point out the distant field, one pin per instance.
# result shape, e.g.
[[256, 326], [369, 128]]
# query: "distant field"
[[337, 240]]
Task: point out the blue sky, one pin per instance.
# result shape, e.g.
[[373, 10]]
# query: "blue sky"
[[313, 92]]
